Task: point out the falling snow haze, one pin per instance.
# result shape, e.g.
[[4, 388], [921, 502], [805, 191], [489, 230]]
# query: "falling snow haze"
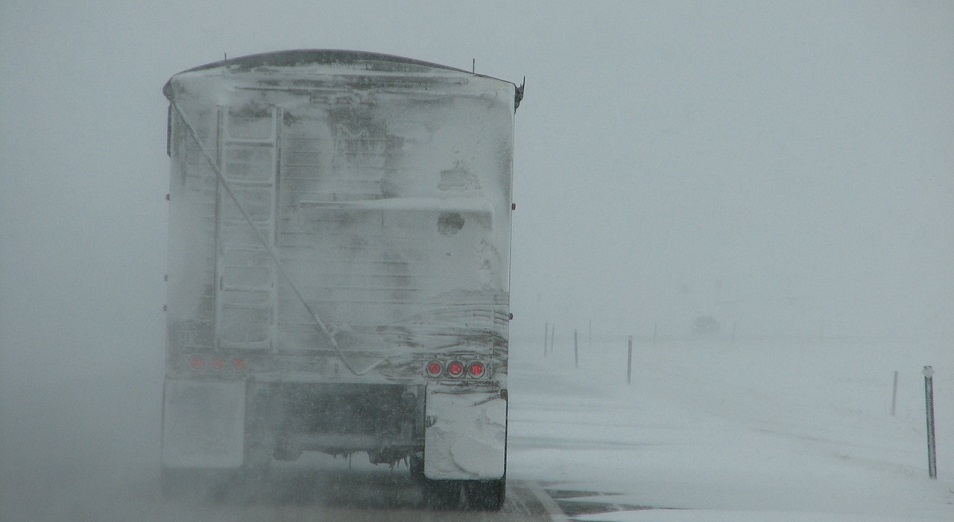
[[784, 168]]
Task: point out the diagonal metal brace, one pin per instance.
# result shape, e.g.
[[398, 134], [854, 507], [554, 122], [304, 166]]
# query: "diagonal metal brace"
[[329, 333]]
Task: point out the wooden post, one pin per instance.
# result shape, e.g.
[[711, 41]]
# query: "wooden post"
[[576, 351], [929, 407], [629, 362], [894, 394], [546, 333]]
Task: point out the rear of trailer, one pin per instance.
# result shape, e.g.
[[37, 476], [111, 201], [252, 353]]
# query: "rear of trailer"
[[339, 268]]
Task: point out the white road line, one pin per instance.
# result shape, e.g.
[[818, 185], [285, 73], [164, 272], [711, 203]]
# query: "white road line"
[[551, 507]]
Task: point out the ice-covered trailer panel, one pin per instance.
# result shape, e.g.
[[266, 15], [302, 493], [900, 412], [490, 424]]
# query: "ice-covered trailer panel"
[[339, 263]]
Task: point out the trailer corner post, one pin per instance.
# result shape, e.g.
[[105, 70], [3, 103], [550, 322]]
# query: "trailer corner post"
[[929, 410]]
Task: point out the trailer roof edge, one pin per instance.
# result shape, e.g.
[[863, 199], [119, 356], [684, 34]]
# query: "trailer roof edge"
[[300, 57]]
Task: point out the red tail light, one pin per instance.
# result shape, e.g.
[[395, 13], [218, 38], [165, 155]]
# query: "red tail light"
[[476, 369], [434, 369], [455, 369], [218, 363], [238, 364], [196, 362]]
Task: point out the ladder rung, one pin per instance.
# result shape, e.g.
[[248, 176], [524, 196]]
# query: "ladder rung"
[[250, 141], [251, 184], [228, 306]]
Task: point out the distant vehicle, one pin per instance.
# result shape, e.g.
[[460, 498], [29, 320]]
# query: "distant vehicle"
[[339, 268], [706, 325]]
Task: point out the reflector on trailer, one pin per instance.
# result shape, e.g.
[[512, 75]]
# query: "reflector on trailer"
[[196, 362], [218, 363], [238, 363]]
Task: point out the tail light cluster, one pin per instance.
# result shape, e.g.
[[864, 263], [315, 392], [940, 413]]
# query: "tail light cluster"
[[217, 363], [456, 369]]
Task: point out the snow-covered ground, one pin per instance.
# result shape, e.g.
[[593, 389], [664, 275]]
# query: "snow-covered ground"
[[751, 430], [756, 430]]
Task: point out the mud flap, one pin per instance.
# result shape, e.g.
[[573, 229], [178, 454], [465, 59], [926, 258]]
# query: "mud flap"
[[203, 424], [465, 434]]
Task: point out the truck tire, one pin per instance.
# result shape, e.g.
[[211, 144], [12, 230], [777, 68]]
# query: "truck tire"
[[486, 495], [416, 466], [183, 483], [442, 494], [169, 483], [190, 483]]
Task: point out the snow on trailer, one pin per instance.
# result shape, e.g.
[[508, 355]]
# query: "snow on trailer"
[[339, 267]]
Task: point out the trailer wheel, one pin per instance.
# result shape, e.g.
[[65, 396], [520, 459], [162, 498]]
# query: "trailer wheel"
[[170, 483], [416, 466], [442, 494], [486, 495], [178, 483]]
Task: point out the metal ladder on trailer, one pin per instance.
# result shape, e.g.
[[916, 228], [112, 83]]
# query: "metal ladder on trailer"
[[246, 276]]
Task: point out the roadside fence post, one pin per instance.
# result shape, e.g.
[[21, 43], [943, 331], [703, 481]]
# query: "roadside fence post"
[[929, 407], [576, 351], [894, 394], [546, 333], [629, 362]]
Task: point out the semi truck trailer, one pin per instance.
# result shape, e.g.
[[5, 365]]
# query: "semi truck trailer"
[[339, 268]]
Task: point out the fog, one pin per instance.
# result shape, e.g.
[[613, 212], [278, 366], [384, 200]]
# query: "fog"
[[785, 167]]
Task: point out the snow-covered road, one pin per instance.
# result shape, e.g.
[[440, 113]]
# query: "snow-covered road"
[[762, 430], [756, 430], [87, 450]]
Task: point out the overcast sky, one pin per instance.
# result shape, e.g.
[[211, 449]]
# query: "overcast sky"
[[787, 167]]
